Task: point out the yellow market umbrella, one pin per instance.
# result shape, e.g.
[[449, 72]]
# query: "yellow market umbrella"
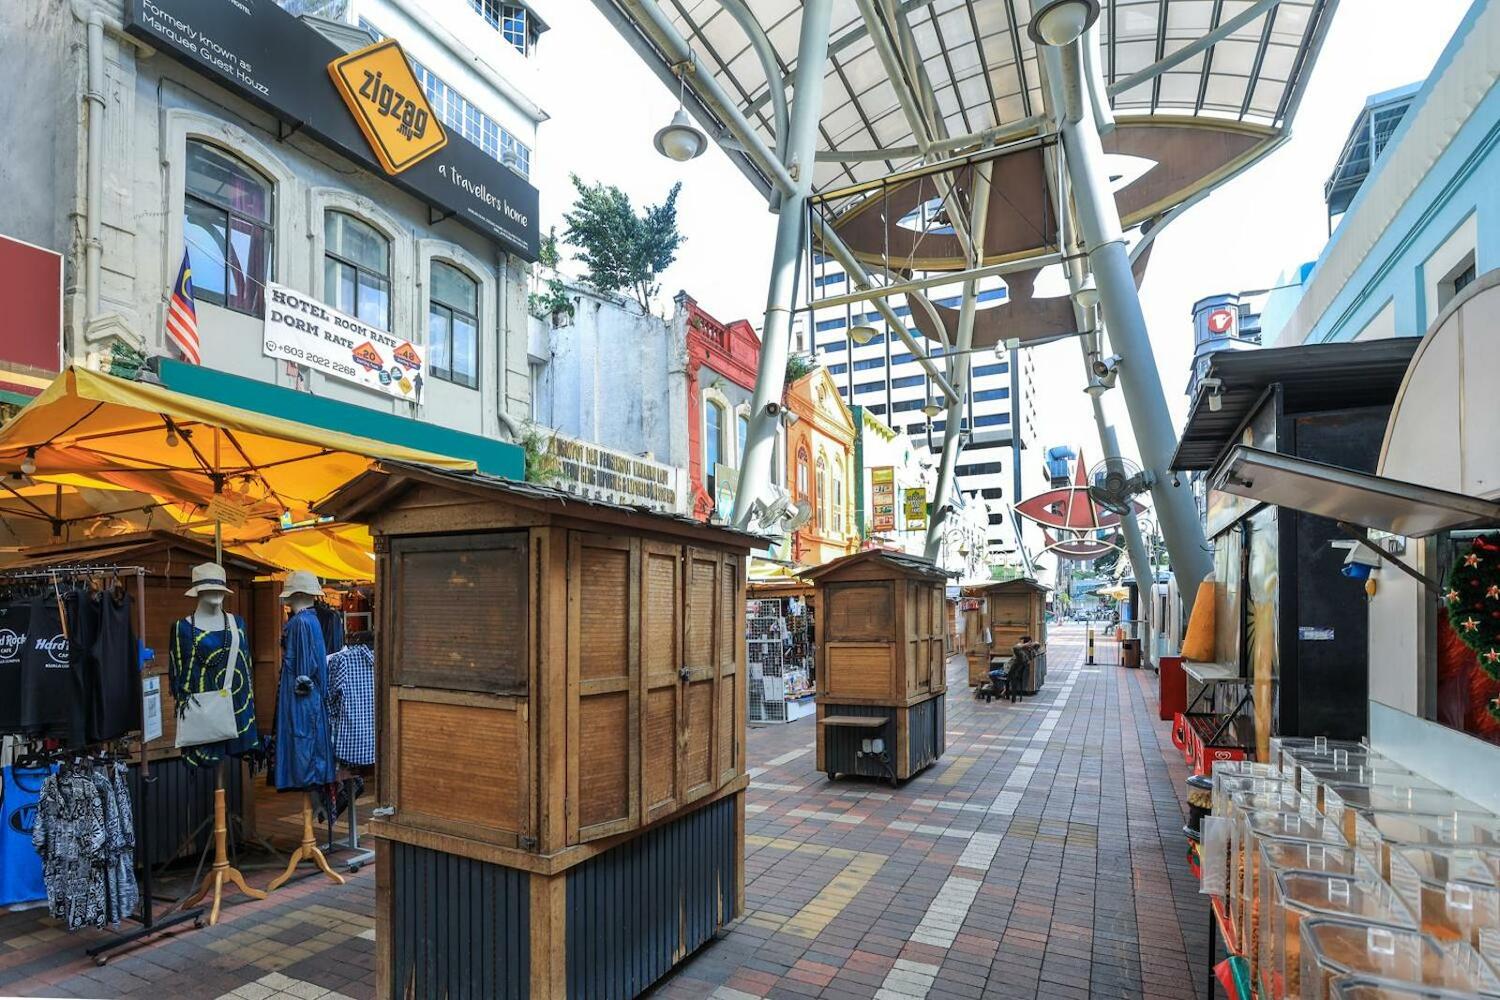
[[202, 461]]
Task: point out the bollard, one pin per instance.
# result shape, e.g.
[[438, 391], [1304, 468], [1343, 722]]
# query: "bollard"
[[1091, 645]]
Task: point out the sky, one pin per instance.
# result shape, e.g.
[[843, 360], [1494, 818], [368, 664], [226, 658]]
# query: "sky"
[[605, 106]]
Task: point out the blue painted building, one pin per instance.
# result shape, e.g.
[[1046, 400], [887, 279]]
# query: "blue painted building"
[[1426, 220]]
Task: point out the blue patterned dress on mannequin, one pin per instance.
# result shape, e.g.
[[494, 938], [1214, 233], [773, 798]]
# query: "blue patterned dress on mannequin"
[[195, 664], [304, 738]]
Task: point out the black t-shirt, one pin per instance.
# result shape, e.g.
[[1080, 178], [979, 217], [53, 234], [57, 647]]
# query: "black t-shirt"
[[52, 699], [15, 618], [110, 671]]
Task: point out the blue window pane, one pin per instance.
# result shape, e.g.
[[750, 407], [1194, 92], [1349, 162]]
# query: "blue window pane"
[[830, 324], [999, 369], [837, 369], [992, 420], [869, 386], [986, 394], [868, 363], [907, 381]]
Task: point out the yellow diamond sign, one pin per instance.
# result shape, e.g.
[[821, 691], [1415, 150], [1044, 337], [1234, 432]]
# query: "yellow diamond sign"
[[387, 101]]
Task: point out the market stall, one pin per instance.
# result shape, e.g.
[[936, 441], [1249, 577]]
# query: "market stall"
[[593, 657], [200, 501], [881, 666], [1000, 614], [781, 635], [1326, 860]]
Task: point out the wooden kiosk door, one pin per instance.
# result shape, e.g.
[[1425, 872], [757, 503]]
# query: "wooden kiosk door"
[[702, 644], [603, 686], [661, 664]]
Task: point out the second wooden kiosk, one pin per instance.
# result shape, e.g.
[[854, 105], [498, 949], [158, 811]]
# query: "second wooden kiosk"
[[1008, 609], [880, 665], [561, 738]]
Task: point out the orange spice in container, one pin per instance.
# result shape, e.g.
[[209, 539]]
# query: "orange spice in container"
[[1335, 947], [1296, 896]]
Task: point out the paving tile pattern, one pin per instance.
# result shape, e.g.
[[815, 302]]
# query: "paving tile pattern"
[[1041, 857]]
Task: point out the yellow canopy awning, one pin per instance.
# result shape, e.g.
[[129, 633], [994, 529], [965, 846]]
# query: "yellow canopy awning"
[[183, 453]]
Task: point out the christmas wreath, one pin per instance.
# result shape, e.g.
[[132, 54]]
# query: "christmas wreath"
[[1472, 597]]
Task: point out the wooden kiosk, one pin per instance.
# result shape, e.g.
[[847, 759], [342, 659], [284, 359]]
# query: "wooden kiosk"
[[880, 665], [561, 736], [1008, 609]]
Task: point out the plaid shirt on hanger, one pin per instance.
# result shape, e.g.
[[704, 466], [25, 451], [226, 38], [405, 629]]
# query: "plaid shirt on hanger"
[[351, 704]]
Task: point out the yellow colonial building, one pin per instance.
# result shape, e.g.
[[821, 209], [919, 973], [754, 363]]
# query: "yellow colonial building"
[[820, 468]]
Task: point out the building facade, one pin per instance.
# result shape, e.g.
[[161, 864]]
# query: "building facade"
[[721, 359], [1425, 219], [883, 377], [215, 132], [820, 469]]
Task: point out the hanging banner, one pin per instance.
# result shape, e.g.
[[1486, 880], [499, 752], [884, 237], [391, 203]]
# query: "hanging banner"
[[882, 499], [916, 508], [304, 331]]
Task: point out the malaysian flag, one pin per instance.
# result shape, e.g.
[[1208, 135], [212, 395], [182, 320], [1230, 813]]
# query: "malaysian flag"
[[182, 315]]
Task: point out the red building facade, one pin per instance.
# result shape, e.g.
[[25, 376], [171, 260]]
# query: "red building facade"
[[721, 363]]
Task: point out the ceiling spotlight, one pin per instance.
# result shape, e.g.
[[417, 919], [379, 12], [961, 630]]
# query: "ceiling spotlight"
[[932, 410], [1060, 22], [862, 335], [1087, 295], [1215, 389], [28, 464], [680, 139]]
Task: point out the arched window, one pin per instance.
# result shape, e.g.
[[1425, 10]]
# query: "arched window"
[[821, 501], [453, 325], [357, 269], [227, 228], [741, 432], [802, 490], [713, 440], [838, 500]]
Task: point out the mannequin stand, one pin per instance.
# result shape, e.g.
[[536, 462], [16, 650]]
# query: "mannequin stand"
[[222, 871], [306, 851]]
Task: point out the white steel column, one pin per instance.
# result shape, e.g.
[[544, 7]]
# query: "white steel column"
[[959, 371], [797, 152], [1139, 380]]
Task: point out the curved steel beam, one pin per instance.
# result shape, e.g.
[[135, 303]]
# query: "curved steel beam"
[[766, 53]]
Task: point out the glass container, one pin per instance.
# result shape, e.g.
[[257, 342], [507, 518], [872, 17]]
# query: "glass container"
[[1294, 896], [1333, 947]]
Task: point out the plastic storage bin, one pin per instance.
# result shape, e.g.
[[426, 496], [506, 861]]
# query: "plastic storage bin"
[[1291, 897], [1451, 891], [1334, 947]]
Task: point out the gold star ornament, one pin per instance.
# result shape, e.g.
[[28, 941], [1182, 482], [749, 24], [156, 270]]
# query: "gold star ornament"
[[1471, 560], [1470, 624], [1492, 656], [1451, 595], [1494, 592]]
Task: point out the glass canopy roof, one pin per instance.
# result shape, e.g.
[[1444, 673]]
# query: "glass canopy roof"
[[983, 68]]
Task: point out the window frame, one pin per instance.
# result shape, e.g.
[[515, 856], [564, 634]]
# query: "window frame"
[[711, 404], [267, 225], [388, 277], [820, 504], [448, 374]]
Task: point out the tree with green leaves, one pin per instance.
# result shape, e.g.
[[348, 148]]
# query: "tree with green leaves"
[[623, 251]]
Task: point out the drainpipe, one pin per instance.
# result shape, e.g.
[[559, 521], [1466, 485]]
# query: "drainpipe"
[[96, 23]]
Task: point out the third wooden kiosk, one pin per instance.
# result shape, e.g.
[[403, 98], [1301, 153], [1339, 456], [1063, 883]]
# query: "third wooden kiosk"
[[880, 665], [1008, 609]]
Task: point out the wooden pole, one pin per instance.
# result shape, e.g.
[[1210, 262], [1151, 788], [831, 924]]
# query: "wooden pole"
[[222, 871], [307, 850]]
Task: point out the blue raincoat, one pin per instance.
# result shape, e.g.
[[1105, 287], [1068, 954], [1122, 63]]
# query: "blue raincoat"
[[304, 738]]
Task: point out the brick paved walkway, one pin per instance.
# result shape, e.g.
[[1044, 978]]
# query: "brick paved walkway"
[[1041, 857]]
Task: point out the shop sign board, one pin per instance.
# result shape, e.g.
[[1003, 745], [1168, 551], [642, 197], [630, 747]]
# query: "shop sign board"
[[916, 508], [274, 60], [388, 104], [882, 499], [599, 473], [31, 282], [304, 331]]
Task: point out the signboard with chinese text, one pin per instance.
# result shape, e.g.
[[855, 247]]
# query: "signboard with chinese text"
[[302, 330], [600, 473]]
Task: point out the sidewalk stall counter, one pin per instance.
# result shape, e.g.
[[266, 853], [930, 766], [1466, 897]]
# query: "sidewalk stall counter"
[[881, 668], [562, 738], [1008, 610]]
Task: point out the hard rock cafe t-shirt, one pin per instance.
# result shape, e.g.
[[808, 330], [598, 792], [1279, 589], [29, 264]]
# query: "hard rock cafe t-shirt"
[[15, 617]]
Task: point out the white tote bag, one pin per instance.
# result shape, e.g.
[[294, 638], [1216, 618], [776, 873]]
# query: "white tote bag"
[[210, 714]]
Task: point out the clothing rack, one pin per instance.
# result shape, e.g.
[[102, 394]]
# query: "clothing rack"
[[149, 922]]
